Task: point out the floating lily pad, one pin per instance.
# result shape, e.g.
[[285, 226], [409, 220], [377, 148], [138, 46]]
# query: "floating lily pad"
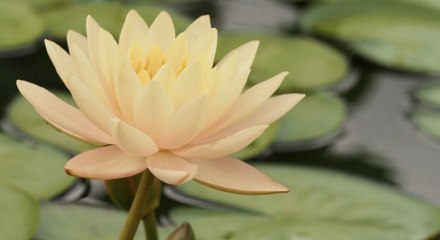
[[260, 145], [22, 116], [110, 16], [20, 27], [316, 117], [427, 122], [311, 64], [74, 221], [322, 205], [36, 169], [429, 94], [395, 34], [20, 214]]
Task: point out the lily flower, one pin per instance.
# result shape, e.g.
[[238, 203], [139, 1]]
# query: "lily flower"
[[153, 100]]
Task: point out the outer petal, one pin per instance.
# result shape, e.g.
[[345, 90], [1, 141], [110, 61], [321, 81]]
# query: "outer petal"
[[91, 105], [134, 30], [181, 126], [233, 175], [243, 56], [64, 64], [170, 168], [62, 115], [222, 147], [246, 104], [75, 38], [131, 140], [105, 163]]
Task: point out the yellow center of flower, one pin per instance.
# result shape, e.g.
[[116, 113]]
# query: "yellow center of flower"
[[146, 66]]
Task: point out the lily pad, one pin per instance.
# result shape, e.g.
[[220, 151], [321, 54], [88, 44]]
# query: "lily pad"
[[322, 205], [429, 94], [20, 214], [317, 116], [426, 3], [407, 39], [20, 26], [427, 122], [63, 221], [36, 169], [110, 16], [260, 145], [311, 64], [22, 116]]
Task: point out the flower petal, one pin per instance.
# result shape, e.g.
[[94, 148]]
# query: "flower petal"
[[170, 168], [134, 30], [62, 115], [222, 147], [91, 105], [269, 112], [187, 85], [203, 49], [131, 140], [152, 106], [198, 27], [75, 38], [233, 175], [244, 56], [177, 52], [161, 32], [181, 126], [246, 104], [105, 163], [63, 63]]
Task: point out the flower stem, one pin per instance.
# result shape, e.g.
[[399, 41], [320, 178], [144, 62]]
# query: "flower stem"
[[149, 221], [137, 209]]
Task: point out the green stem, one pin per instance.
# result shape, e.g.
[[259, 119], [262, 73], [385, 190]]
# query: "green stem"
[[149, 221], [137, 209]]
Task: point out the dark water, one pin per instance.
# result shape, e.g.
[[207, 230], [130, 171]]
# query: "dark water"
[[378, 140]]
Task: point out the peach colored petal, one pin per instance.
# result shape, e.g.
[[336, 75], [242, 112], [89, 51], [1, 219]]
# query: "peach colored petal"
[[170, 168], [203, 49], [167, 76], [61, 60], [233, 175], [246, 104], [222, 147], [131, 140], [177, 52], [181, 126], [91, 105], [197, 28], [134, 30], [187, 85], [62, 115], [105, 163], [244, 56], [88, 74], [152, 106], [75, 38], [161, 32], [269, 112], [127, 83]]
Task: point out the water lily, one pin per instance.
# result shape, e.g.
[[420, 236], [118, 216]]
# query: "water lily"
[[153, 100]]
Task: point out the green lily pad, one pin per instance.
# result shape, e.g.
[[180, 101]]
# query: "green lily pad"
[[20, 26], [322, 205], [407, 39], [110, 16], [22, 116], [75, 221], [306, 123], [311, 64], [260, 145], [36, 169], [427, 122], [429, 94], [20, 214]]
